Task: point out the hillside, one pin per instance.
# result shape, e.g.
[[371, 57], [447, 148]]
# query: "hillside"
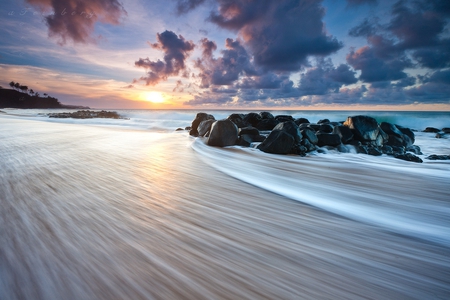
[[15, 99]]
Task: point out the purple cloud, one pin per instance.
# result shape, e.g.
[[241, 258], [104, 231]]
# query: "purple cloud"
[[75, 20], [176, 50]]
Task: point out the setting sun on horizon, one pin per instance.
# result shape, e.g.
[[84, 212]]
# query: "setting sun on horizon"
[[154, 97]]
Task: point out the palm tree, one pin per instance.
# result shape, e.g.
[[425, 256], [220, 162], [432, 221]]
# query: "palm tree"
[[24, 88]]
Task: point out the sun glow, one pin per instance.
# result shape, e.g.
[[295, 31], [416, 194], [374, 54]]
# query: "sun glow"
[[154, 97]]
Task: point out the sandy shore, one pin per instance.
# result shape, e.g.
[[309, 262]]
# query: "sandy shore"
[[98, 213]]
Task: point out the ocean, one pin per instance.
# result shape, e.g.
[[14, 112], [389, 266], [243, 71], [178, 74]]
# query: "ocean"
[[132, 208]]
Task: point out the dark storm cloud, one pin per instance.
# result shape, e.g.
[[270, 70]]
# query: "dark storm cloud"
[[360, 2], [376, 68], [436, 77], [75, 20], [176, 50], [416, 27], [325, 78], [279, 34], [225, 70], [184, 6]]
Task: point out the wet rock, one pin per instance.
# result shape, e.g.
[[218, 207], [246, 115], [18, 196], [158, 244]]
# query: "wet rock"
[[179, 129], [323, 121], [252, 118], [291, 128], [446, 130], [223, 133], [409, 133], [374, 151], [284, 118], [266, 115], [326, 128], [308, 145], [310, 135], [344, 133], [328, 139], [301, 121], [278, 142], [386, 149], [267, 124], [364, 128], [414, 149], [408, 157], [87, 114], [431, 129], [314, 126], [198, 119], [238, 119], [438, 157], [204, 127]]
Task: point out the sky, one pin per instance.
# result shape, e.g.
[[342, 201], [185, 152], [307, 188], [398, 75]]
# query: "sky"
[[230, 54]]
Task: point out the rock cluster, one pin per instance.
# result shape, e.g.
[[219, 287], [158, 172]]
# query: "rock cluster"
[[87, 114], [439, 132], [284, 134]]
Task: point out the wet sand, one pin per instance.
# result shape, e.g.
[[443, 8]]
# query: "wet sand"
[[99, 213]]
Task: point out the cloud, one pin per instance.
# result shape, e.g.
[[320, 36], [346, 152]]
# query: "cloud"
[[325, 78], [416, 27], [76, 20], [360, 2], [225, 70], [176, 50], [375, 67], [184, 6]]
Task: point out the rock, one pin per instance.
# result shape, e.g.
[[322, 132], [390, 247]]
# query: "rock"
[[326, 128], [328, 139], [382, 138], [391, 129], [179, 129], [364, 128], [310, 134], [446, 129], [438, 157], [187, 128], [308, 145], [291, 128], [249, 130], [431, 129], [252, 118], [198, 119], [204, 127], [344, 133], [409, 133], [87, 114], [267, 124], [301, 121], [278, 142], [323, 121], [238, 119], [386, 149], [223, 133], [249, 135], [362, 149], [414, 149], [315, 127], [408, 157], [266, 115], [284, 118], [374, 151]]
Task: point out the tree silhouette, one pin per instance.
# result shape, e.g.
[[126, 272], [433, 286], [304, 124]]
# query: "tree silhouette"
[[31, 92], [23, 88], [17, 85], [12, 84]]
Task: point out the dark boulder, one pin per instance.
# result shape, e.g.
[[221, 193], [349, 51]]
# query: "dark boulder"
[[284, 118], [323, 121], [238, 119], [249, 135], [438, 157], [291, 128], [267, 124], [266, 115], [198, 119], [431, 129], [374, 151], [252, 118], [361, 149], [308, 145], [278, 142], [223, 133], [414, 149], [386, 149], [310, 135], [408, 157], [409, 133], [249, 130], [326, 128], [344, 132], [328, 139], [301, 121], [204, 127], [391, 129], [364, 128], [313, 126], [446, 130]]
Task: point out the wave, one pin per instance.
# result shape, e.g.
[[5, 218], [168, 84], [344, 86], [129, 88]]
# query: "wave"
[[403, 197]]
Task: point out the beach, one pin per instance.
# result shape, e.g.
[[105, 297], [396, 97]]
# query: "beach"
[[123, 212]]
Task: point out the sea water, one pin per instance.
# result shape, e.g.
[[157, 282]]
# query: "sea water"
[[102, 208]]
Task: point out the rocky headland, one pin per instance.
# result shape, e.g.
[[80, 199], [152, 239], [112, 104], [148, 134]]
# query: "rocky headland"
[[284, 134], [87, 114]]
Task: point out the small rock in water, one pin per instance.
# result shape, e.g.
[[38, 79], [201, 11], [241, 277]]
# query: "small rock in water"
[[431, 129], [438, 157], [409, 157]]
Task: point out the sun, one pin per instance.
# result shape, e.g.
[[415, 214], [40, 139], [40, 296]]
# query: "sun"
[[155, 97]]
